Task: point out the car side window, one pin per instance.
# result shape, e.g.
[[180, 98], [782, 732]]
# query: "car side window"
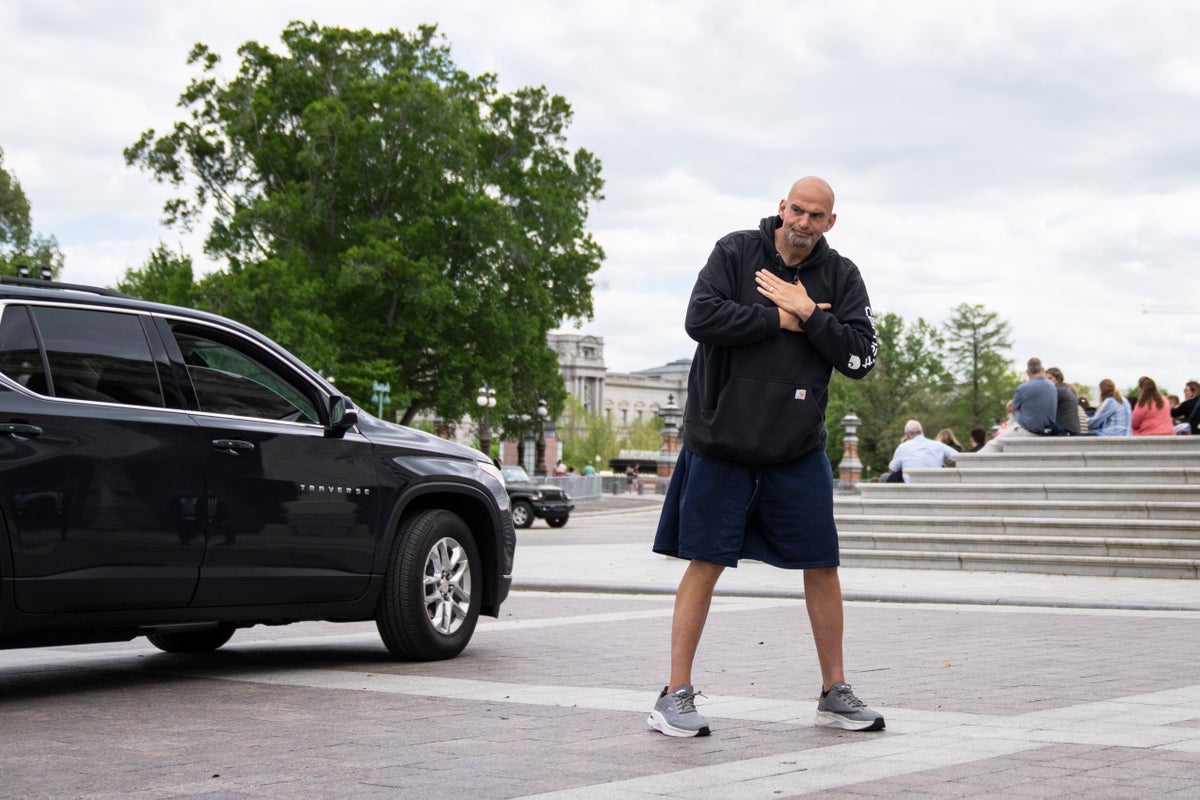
[[20, 356], [100, 356], [230, 378]]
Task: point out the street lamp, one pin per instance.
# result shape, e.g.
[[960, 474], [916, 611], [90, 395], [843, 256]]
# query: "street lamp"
[[486, 399], [381, 395], [539, 467]]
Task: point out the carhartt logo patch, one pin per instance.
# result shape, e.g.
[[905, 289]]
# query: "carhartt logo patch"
[[801, 394]]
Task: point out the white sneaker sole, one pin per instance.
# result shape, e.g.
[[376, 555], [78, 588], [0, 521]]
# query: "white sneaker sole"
[[659, 723], [828, 719]]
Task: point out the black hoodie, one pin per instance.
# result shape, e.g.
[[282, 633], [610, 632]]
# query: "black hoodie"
[[757, 393]]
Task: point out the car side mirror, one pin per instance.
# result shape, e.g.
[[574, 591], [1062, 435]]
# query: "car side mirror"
[[342, 415]]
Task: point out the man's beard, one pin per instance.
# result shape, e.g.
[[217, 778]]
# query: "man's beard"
[[799, 240]]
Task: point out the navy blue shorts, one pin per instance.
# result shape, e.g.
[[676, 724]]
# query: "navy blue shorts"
[[781, 514]]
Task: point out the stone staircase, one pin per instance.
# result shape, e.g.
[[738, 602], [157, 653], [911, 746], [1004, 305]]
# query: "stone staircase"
[[1087, 505]]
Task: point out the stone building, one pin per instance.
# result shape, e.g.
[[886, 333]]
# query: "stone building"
[[621, 397]]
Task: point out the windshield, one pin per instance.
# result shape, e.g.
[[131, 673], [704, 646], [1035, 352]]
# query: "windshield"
[[514, 474]]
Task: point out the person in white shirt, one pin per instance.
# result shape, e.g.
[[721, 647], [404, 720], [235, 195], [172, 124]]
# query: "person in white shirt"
[[917, 452]]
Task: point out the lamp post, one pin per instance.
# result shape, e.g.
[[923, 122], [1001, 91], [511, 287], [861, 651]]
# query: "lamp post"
[[381, 395], [850, 469], [539, 466], [486, 399]]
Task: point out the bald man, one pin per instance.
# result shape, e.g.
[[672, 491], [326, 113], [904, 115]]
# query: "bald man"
[[774, 311]]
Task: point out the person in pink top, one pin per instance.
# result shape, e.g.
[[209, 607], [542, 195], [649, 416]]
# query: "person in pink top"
[[1152, 414]]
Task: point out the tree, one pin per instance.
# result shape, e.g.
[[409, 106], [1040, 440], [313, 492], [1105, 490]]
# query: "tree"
[[381, 209], [909, 381], [19, 245], [166, 277], [586, 436], [643, 434], [977, 341]]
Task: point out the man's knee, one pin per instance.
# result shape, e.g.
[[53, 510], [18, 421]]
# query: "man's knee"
[[700, 577], [825, 578]]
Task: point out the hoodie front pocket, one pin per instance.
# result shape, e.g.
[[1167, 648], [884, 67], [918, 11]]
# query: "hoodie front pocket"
[[763, 421]]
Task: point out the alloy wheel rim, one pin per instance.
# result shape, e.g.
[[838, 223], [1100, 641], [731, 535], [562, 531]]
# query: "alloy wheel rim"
[[447, 586]]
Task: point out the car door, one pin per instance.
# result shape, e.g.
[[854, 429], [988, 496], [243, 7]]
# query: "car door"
[[291, 509], [100, 483]]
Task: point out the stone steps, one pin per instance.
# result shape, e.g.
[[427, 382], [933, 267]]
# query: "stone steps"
[[1076, 474], [1116, 460], [916, 525], [1087, 505], [991, 507], [1106, 566], [1040, 495], [1103, 444]]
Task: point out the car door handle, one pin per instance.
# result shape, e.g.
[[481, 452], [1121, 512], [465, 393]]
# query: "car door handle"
[[232, 446], [19, 429]]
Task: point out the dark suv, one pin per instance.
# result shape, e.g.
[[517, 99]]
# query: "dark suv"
[[174, 474], [530, 500]]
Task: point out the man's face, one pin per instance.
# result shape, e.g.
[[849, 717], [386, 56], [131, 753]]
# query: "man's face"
[[806, 216]]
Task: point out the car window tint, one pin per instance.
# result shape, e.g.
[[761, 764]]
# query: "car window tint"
[[98, 355], [20, 356], [230, 378]]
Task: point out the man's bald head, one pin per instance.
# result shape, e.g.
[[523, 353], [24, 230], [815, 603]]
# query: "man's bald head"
[[806, 187]]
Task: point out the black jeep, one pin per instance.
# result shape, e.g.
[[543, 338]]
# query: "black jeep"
[[174, 474], [531, 500]]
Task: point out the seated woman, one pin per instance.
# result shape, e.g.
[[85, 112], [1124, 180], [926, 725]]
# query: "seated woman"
[[1112, 417], [1152, 414], [1186, 416]]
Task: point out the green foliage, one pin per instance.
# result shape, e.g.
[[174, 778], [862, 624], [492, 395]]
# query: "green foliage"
[[908, 381], [947, 377], [380, 209], [19, 245], [977, 345], [166, 277], [586, 436], [643, 434]]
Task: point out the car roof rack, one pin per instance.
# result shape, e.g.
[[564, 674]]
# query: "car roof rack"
[[40, 283]]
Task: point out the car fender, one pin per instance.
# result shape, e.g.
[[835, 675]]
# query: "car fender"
[[485, 514]]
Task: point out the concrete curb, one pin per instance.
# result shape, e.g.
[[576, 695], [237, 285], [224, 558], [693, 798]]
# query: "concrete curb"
[[588, 587]]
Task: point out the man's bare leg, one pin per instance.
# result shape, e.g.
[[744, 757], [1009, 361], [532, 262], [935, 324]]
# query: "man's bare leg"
[[823, 597], [840, 709], [692, 602]]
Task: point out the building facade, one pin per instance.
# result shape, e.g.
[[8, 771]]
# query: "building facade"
[[622, 398]]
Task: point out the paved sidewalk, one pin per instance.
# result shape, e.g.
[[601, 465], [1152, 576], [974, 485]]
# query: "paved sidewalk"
[[633, 568], [1010, 695]]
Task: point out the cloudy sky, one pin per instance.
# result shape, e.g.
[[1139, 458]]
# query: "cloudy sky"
[[1039, 158]]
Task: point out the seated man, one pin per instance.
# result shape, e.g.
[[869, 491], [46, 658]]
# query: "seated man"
[[917, 452], [1033, 406]]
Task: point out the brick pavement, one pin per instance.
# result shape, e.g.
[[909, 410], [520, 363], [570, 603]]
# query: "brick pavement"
[[550, 701]]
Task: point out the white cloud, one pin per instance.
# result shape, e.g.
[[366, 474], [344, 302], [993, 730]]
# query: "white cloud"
[[1039, 158]]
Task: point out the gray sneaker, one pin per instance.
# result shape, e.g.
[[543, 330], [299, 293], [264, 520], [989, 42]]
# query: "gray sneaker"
[[675, 714], [839, 708]]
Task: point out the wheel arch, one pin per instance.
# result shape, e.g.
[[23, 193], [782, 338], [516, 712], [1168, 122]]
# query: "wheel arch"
[[477, 510]]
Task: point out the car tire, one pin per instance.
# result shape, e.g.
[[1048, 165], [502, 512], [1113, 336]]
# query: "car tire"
[[202, 641], [433, 588], [557, 522], [522, 514]]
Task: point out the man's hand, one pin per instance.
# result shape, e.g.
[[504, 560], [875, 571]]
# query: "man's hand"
[[792, 299]]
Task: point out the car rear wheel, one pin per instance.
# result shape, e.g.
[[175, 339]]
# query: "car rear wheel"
[[431, 595], [522, 514], [201, 641]]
